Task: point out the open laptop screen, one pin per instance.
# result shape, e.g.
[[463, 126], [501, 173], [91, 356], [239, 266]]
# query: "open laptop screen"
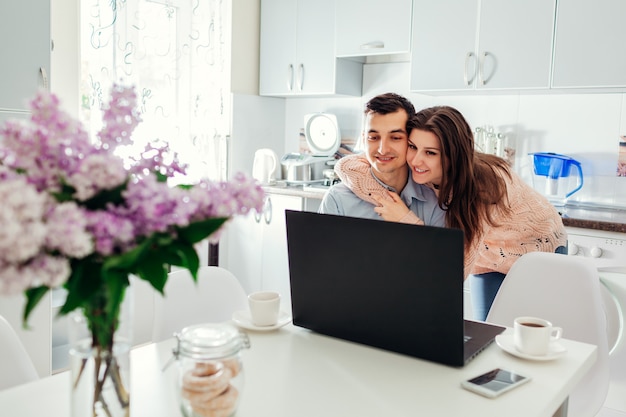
[[389, 285]]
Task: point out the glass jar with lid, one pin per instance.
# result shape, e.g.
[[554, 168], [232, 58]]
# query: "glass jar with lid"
[[210, 377]]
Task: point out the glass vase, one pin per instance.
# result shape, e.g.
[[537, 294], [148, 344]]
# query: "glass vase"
[[100, 372]]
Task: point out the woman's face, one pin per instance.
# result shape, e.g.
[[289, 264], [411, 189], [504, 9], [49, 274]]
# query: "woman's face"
[[424, 157]]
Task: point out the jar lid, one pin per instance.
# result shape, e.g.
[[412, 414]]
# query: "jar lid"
[[210, 341]]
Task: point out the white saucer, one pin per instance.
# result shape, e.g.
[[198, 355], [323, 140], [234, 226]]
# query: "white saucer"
[[505, 341], [242, 319]]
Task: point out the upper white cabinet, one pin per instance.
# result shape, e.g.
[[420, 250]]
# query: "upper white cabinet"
[[482, 45], [372, 27], [298, 51], [590, 44], [25, 51], [443, 45]]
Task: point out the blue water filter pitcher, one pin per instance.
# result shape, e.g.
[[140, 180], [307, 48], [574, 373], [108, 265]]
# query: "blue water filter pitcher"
[[556, 176]]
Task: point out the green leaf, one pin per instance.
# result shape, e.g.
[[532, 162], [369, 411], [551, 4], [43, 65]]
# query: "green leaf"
[[200, 230], [84, 281], [170, 255], [105, 197], [160, 176], [163, 240], [129, 260], [66, 193], [116, 283], [155, 273], [33, 297], [192, 261]]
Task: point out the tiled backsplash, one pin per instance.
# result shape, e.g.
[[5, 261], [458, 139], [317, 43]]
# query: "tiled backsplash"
[[586, 127]]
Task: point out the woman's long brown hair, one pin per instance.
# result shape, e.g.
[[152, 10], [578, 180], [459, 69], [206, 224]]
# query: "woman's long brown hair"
[[472, 187]]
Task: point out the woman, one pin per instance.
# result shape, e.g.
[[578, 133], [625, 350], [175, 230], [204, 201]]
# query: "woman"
[[501, 216]]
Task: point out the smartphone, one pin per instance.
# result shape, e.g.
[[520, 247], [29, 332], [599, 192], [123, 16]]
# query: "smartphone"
[[495, 382]]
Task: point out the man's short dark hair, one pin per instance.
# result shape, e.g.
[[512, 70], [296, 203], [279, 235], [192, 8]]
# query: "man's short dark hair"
[[389, 103]]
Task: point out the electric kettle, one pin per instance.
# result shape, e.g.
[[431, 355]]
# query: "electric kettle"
[[265, 166], [556, 176]]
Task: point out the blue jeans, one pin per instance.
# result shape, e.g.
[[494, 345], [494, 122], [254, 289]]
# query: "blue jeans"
[[484, 287]]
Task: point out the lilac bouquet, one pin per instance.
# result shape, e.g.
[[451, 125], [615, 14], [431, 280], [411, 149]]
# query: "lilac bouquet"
[[75, 216]]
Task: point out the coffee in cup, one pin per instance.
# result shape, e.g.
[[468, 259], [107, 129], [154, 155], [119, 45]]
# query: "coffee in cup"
[[264, 307], [533, 335]]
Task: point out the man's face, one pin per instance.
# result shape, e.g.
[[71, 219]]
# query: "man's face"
[[386, 144]]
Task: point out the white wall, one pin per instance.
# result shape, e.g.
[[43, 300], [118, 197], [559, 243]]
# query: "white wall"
[[65, 56], [245, 46], [256, 122], [584, 126]]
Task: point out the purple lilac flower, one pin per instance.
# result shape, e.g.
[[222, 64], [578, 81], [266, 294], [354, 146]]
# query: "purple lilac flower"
[[12, 280], [22, 230], [154, 206], [49, 147], [66, 224], [97, 172], [39, 235], [225, 199], [120, 118], [158, 159], [111, 233], [47, 270]]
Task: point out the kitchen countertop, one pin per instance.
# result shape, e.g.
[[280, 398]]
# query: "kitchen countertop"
[[580, 216], [597, 218], [315, 191]]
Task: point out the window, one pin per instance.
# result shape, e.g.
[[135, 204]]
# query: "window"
[[175, 53]]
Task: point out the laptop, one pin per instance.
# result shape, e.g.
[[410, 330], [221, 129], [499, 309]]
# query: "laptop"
[[393, 286]]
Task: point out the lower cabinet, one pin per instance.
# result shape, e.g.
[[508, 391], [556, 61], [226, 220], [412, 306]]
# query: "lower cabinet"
[[254, 248]]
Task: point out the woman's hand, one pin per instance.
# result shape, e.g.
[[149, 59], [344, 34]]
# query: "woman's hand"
[[391, 208]]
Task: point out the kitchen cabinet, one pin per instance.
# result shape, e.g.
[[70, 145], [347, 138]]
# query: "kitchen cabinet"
[[254, 247], [589, 47], [483, 45], [372, 27], [25, 50], [297, 51]]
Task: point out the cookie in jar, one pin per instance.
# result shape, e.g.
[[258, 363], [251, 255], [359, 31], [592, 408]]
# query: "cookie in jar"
[[210, 377]]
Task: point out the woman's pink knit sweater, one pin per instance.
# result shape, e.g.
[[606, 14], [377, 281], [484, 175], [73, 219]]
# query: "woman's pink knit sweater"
[[533, 225]]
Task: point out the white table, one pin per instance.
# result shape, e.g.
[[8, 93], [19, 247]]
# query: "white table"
[[294, 372]]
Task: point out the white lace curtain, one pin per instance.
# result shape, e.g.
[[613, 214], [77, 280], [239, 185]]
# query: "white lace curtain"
[[175, 53]]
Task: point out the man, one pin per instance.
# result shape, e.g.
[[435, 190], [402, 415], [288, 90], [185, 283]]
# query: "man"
[[386, 141]]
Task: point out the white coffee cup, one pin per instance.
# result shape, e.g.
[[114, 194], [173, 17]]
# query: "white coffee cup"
[[264, 307], [533, 335]]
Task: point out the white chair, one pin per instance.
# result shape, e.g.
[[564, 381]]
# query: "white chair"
[[566, 291], [214, 298], [15, 364]]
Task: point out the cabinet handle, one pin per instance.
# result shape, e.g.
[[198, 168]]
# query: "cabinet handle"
[[290, 78], [44, 77], [301, 76], [373, 45], [481, 71], [466, 79], [267, 211], [257, 216]]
